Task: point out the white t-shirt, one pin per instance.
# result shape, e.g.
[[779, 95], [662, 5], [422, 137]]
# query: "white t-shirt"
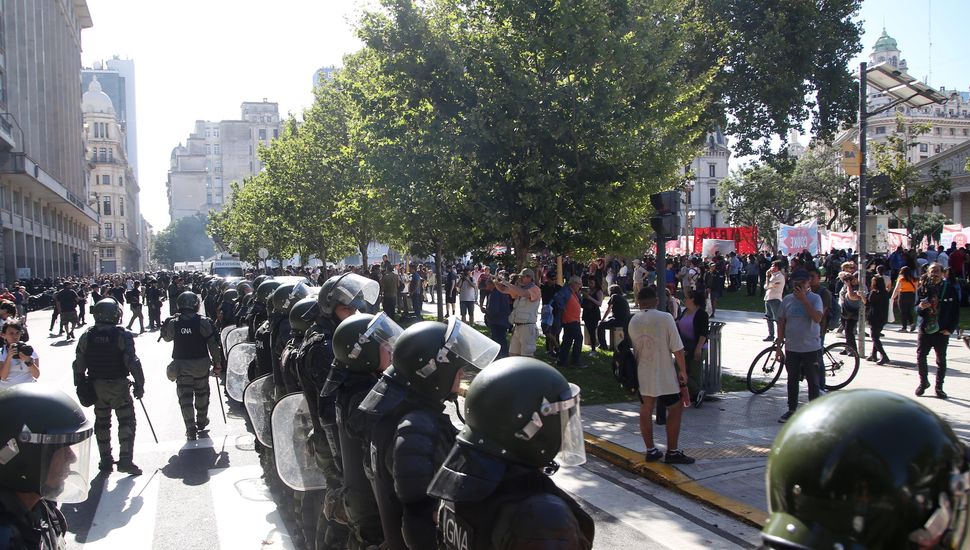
[[19, 372], [655, 337]]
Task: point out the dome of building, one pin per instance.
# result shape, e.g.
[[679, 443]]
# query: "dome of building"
[[885, 43], [95, 100]]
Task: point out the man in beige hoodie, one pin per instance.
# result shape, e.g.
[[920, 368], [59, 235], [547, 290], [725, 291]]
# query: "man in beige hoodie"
[[774, 290]]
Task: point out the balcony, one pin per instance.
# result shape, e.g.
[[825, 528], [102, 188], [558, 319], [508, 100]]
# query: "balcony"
[[23, 170], [103, 160]]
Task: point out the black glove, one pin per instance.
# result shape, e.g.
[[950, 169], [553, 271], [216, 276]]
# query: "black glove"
[[139, 392]]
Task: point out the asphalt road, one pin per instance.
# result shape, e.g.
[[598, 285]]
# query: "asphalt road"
[[209, 494]]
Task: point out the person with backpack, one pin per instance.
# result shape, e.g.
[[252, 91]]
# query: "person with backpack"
[[694, 328]]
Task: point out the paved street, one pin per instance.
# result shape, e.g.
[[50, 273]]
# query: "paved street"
[[209, 494]]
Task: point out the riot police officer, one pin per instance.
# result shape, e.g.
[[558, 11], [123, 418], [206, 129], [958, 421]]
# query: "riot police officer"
[[494, 487], [45, 442], [196, 342], [362, 347], [412, 435], [340, 297], [105, 356], [227, 310], [261, 329], [867, 469], [279, 330]]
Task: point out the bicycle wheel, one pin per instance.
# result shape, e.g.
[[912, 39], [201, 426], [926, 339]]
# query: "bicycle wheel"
[[765, 371], [841, 364]]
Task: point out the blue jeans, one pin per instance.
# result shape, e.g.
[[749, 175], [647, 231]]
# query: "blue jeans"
[[572, 335], [500, 335], [772, 307], [821, 362]]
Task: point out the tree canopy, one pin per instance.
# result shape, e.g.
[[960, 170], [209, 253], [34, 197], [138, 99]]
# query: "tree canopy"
[[184, 240]]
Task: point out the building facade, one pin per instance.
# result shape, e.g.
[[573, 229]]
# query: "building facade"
[[114, 189], [950, 122], [217, 154], [699, 206], [44, 212]]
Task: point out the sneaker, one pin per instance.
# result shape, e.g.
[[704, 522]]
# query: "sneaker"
[[940, 393], [677, 457], [201, 425], [699, 400], [784, 418], [769, 339], [653, 456], [128, 467], [921, 389], [660, 422], [191, 435]]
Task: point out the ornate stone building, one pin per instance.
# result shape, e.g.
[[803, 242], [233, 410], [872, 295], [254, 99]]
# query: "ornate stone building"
[[700, 208]]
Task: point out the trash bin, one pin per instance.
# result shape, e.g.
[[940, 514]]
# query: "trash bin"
[[712, 367]]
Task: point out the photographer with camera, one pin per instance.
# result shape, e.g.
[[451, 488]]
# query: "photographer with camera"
[[19, 363]]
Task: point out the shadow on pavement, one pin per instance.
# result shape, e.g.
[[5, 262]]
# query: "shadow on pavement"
[[192, 464], [116, 512]]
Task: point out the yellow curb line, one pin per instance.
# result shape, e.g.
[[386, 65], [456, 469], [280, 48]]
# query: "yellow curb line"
[[672, 478], [666, 476]]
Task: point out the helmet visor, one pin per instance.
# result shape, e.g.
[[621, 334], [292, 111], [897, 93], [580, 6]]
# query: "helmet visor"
[[469, 344], [355, 291], [64, 471], [573, 450], [382, 329]]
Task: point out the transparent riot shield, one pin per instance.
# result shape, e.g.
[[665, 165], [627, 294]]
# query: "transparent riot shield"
[[295, 461], [237, 369], [225, 334], [259, 400], [236, 336]]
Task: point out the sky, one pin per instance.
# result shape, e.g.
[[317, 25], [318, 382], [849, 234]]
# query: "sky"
[[200, 59]]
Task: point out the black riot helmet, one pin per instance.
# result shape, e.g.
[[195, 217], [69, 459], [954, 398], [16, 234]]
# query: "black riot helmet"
[[428, 354], [865, 469], [244, 287], [229, 296], [106, 312], [299, 291], [349, 289], [187, 301], [298, 321], [358, 339], [259, 280], [265, 290], [44, 443], [277, 301]]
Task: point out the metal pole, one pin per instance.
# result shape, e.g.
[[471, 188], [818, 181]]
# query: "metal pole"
[[219, 397], [661, 273], [148, 418], [863, 128]]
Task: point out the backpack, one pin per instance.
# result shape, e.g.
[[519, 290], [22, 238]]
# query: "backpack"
[[625, 366], [835, 315]]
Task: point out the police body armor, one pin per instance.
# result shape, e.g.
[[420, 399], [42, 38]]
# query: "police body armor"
[[189, 342], [401, 488], [42, 528], [288, 366], [354, 428], [102, 355], [279, 334], [264, 361]]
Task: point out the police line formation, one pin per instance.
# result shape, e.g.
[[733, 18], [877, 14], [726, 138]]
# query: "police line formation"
[[348, 411]]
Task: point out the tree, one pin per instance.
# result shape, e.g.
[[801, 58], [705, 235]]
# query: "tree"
[[759, 195], [833, 195], [183, 240]]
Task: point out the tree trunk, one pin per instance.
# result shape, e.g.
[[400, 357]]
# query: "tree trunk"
[[438, 259], [520, 239], [362, 246]]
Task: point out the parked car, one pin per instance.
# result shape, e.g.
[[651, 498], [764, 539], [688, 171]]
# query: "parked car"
[[43, 300]]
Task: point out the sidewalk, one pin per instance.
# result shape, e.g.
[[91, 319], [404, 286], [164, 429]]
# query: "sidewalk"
[[731, 436]]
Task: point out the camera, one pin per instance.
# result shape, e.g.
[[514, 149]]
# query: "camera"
[[22, 348]]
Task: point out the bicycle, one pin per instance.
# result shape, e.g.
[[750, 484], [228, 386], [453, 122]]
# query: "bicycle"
[[841, 364]]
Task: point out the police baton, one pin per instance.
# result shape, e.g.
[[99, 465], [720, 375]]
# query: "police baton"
[[219, 397], [149, 419]]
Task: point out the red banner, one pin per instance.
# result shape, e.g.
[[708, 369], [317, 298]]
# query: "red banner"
[[745, 238]]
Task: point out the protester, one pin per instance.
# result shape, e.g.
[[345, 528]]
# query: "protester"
[[693, 327], [877, 315], [774, 289], [497, 309], [655, 339], [19, 363], [939, 314], [851, 301], [592, 300], [526, 299], [904, 295], [617, 316], [569, 313], [799, 329]]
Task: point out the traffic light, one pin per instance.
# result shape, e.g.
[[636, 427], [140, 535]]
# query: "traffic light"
[[666, 223]]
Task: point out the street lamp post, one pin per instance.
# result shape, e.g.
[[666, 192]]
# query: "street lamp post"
[[902, 90]]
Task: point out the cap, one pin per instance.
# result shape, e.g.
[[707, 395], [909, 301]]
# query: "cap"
[[527, 273]]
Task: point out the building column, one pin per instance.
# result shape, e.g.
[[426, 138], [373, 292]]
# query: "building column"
[[957, 208]]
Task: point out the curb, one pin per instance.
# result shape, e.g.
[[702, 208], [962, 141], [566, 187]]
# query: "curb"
[[671, 478]]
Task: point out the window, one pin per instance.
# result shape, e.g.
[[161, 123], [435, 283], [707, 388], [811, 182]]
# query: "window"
[[106, 206], [924, 148], [215, 132], [121, 181], [953, 131], [208, 148], [713, 195], [276, 133], [102, 154], [966, 132], [109, 232], [688, 197], [713, 220], [105, 179], [123, 236], [217, 149], [711, 170], [121, 210], [262, 134], [218, 168], [111, 154], [881, 130], [108, 252], [939, 131]]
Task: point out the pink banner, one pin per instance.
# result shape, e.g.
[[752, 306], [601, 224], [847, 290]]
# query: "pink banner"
[[897, 238]]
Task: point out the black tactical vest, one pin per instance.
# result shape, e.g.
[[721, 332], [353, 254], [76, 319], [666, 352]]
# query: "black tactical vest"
[[103, 356], [189, 342]]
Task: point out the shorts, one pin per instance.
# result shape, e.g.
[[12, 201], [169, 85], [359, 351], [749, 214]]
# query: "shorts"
[[668, 400], [68, 317], [451, 298], [523, 340], [467, 307]]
